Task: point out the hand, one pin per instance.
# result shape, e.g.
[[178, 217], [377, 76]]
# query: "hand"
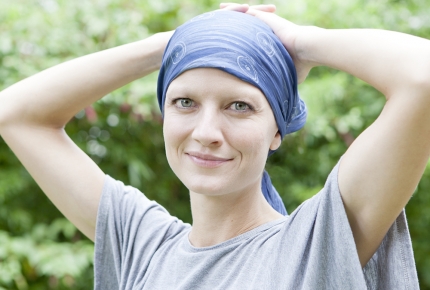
[[161, 39], [245, 7], [285, 30]]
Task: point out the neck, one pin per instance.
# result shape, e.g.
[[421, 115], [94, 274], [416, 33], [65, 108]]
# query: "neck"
[[219, 218]]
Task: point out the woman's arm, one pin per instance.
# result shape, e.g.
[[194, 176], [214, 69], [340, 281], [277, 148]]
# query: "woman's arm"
[[52, 97], [389, 61], [33, 114], [382, 168]]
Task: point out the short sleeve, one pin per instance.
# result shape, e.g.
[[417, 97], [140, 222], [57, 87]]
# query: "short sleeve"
[[129, 230], [393, 264], [322, 252]]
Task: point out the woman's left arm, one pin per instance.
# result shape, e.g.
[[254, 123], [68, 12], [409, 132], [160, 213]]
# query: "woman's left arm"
[[381, 169]]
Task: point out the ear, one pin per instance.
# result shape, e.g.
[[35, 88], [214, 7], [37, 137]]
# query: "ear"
[[276, 142]]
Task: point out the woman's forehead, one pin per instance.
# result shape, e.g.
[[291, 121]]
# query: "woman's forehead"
[[211, 80]]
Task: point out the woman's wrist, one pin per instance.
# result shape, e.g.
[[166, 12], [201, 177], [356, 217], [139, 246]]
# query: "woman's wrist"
[[368, 54], [307, 46], [154, 47]]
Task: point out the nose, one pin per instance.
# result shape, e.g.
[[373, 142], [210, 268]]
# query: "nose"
[[208, 128]]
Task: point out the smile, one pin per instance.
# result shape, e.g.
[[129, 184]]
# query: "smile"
[[206, 160]]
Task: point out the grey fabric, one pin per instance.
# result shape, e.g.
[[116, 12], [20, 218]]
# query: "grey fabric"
[[140, 246]]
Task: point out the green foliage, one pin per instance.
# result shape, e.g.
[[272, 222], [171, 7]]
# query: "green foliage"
[[39, 249]]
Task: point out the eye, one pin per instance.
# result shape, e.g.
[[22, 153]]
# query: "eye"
[[240, 106], [183, 103]]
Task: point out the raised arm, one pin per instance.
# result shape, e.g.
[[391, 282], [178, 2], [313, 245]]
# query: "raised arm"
[[382, 168], [33, 114]]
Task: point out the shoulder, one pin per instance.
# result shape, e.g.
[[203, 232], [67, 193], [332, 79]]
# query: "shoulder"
[[125, 209]]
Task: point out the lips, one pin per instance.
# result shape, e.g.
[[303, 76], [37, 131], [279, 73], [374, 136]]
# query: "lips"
[[207, 160]]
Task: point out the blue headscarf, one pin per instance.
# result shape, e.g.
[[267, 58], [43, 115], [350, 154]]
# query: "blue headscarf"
[[244, 46]]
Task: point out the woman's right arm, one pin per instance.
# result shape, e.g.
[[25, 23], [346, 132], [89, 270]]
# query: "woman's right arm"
[[33, 114]]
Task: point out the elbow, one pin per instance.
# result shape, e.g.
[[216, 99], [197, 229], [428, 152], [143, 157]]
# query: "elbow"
[[419, 88], [416, 85], [422, 83], [9, 114], [13, 112], [421, 78], [4, 115]]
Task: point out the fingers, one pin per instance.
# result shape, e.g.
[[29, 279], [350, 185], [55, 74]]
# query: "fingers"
[[270, 18], [264, 7], [234, 6], [224, 5]]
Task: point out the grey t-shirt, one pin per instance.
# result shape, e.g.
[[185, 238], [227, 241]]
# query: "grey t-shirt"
[[139, 245]]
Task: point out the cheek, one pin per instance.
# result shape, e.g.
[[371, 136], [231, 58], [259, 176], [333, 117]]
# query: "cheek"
[[174, 134], [251, 141], [251, 144]]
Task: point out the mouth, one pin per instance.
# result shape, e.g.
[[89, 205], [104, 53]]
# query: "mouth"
[[207, 160]]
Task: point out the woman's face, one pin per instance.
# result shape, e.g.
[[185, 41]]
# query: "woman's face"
[[217, 131]]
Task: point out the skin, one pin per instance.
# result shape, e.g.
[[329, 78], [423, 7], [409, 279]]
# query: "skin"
[[377, 175], [211, 112]]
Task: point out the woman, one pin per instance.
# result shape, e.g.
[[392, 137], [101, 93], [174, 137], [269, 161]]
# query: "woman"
[[218, 130]]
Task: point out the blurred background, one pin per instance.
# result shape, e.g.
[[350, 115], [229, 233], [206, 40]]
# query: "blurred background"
[[39, 249]]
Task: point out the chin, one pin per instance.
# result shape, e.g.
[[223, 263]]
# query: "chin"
[[209, 186], [206, 189]]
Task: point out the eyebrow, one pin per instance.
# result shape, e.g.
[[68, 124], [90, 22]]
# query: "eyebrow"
[[187, 91]]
